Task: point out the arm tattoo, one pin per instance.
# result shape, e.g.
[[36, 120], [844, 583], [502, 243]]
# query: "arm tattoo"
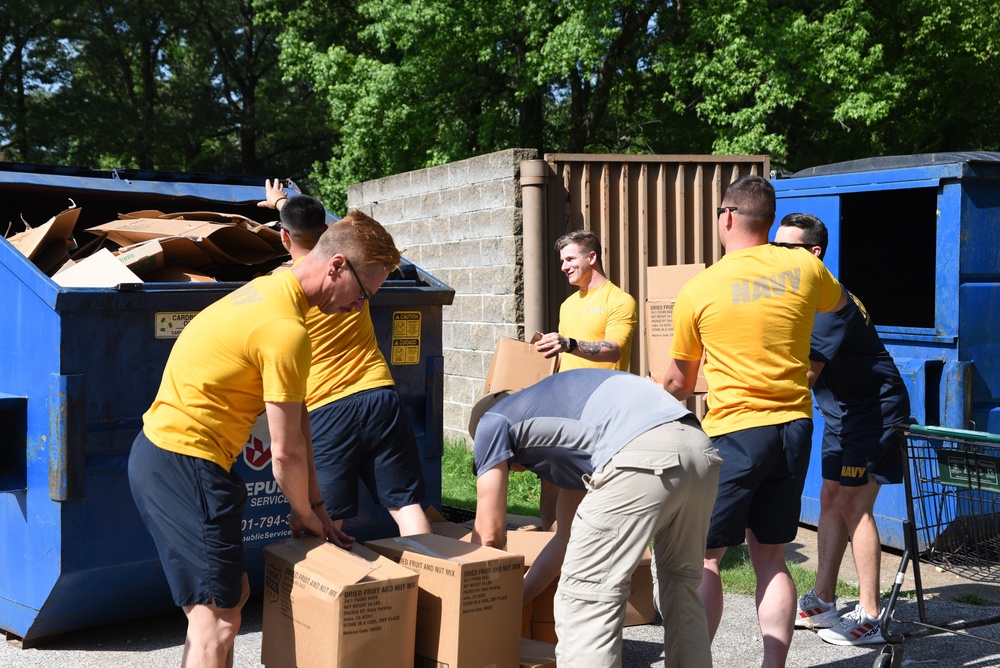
[[594, 347]]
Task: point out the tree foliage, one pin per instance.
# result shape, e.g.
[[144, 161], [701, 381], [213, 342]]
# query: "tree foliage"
[[341, 91]]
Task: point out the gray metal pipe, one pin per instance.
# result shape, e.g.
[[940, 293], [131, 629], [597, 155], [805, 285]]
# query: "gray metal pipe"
[[534, 181]]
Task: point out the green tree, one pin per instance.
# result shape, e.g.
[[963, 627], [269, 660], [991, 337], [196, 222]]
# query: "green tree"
[[29, 33], [431, 81]]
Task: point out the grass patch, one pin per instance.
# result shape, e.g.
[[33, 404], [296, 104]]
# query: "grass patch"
[[738, 577], [908, 594], [971, 599], [458, 485]]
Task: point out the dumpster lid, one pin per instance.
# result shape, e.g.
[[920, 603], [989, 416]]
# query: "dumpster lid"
[[886, 162]]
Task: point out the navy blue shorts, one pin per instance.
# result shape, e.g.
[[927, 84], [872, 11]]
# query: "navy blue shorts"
[[760, 486], [366, 435], [852, 458], [194, 510]]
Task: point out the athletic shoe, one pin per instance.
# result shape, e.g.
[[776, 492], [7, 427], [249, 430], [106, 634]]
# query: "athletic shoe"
[[855, 628], [814, 614]]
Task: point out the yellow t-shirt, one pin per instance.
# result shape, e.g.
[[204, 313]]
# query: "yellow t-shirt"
[[752, 313], [606, 313], [345, 356], [248, 348]]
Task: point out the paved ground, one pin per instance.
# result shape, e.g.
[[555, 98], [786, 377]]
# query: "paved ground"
[[158, 641]]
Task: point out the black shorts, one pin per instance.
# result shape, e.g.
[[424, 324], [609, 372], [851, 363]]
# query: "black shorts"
[[760, 486], [852, 458], [366, 435], [194, 510]]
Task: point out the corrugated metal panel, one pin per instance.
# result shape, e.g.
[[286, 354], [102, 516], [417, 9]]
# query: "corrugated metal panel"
[[648, 210]]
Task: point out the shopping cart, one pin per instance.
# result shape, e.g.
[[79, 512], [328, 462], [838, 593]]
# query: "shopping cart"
[[952, 480]]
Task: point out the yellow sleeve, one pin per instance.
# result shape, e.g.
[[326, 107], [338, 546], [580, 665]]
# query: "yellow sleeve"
[[687, 343]]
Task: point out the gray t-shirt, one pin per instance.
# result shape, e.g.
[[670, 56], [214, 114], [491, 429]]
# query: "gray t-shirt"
[[572, 423]]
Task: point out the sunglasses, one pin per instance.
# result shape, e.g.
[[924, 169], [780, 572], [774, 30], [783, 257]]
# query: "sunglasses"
[[784, 244], [364, 293], [722, 209]]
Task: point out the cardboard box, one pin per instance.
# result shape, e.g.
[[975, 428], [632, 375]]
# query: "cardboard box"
[[663, 284], [142, 258], [538, 617], [469, 608], [327, 607], [537, 654], [516, 365]]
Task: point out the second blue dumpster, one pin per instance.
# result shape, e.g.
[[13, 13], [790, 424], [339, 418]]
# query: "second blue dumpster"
[[917, 239]]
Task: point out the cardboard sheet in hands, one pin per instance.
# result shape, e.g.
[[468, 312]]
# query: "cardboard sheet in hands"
[[516, 365]]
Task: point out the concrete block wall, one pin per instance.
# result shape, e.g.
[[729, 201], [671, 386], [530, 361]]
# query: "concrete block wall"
[[461, 222]]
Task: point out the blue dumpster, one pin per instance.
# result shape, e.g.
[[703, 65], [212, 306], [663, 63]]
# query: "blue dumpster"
[[79, 367], [917, 239]]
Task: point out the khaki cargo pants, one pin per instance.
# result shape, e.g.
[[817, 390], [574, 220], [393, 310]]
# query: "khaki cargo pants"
[[662, 485]]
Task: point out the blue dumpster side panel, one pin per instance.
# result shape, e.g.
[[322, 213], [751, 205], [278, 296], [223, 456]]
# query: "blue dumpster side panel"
[[82, 365]]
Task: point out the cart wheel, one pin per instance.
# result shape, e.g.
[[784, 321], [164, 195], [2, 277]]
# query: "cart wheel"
[[891, 656]]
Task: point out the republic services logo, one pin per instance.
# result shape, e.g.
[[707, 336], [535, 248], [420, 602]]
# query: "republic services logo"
[[257, 451]]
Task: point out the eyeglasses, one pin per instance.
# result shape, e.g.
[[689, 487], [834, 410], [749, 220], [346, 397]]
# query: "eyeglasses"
[[722, 209], [364, 293], [784, 244]]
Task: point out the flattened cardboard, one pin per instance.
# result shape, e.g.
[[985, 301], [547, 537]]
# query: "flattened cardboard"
[[516, 365], [265, 232], [470, 600], [100, 270], [224, 243], [329, 608], [663, 284], [48, 244]]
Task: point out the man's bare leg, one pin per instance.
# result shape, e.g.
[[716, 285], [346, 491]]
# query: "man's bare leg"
[[776, 599], [411, 520], [211, 633], [710, 589]]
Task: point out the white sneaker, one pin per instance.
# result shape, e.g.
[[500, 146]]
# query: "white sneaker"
[[814, 614], [855, 628]]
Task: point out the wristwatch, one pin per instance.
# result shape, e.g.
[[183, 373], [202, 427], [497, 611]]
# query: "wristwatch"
[[571, 346]]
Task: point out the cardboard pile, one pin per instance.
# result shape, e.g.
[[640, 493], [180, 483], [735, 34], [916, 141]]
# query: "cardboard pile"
[[152, 246], [468, 613], [327, 607]]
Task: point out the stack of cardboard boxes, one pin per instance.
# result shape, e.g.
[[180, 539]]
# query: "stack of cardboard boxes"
[[423, 601]]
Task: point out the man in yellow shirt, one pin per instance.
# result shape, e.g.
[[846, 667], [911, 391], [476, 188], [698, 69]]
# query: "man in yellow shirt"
[[359, 427], [245, 354], [596, 324], [752, 313]]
